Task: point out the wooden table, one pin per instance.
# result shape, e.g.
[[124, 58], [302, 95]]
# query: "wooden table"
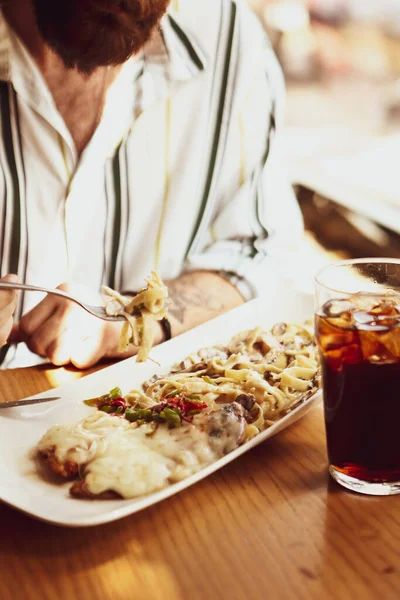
[[271, 525]]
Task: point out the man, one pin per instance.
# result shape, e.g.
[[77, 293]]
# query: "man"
[[136, 136]]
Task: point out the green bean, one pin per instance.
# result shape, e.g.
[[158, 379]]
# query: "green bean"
[[145, 414], [172, 417], [115, 393], [132, 415]]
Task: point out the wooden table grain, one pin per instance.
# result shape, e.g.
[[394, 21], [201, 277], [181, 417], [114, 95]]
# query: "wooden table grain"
[[271, 525]]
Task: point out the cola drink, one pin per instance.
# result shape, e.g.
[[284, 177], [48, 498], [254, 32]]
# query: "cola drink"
[[359, 343]]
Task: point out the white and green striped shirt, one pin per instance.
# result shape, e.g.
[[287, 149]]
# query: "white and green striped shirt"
[[180, 174]]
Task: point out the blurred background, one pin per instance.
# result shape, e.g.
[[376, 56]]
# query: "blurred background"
[[341, 60]]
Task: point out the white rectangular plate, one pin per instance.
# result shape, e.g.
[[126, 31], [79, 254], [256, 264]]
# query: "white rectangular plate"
[[23, 487]]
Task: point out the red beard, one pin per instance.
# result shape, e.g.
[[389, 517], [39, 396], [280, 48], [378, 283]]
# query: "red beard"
[[87, 34]]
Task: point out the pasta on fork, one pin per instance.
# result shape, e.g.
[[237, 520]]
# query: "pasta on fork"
[[141, 312]]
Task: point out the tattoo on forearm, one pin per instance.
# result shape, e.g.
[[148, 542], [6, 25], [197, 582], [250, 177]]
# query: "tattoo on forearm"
[[186, 293]]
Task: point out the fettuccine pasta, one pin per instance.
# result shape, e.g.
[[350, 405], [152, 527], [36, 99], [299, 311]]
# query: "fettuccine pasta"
[[267, 372], [140, 312]]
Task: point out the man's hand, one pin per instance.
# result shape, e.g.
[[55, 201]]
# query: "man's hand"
[[64, 333], [8, 302]]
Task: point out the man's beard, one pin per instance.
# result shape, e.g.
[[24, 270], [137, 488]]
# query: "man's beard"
[[88, 34]]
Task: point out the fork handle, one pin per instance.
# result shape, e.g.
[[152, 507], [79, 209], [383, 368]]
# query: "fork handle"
[[8, 285]]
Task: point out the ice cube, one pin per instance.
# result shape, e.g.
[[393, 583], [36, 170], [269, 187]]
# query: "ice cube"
[[330, 335], [363, 302], [384, 309], [339, 308], [380, 343], [363, 318], [346, 355], [371, 346], [390, 340], [386, 315]]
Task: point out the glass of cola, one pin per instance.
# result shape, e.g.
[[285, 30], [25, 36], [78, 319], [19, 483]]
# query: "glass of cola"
[[357, 326]]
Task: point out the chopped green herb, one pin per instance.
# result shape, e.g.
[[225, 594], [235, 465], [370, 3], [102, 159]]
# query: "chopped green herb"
[[132, 415], [172, 417], [158, 418], [145, 414], [100, 401], [115, 393], [141, 414]]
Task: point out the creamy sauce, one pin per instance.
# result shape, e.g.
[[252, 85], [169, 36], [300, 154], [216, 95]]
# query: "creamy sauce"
[[119, 456], [78, 442]]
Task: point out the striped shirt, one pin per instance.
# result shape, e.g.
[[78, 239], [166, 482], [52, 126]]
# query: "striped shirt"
[[181, 173]]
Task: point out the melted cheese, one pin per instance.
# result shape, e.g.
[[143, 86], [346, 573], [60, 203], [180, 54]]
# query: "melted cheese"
[[123, 457], [78, 442], [128, 467]]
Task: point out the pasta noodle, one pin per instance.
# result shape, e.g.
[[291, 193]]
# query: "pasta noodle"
[[269, 372], [140, 312]]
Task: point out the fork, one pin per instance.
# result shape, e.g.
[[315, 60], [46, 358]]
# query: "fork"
[[96, 311], [28, 402]]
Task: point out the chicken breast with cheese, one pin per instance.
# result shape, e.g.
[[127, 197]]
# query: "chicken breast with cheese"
[[117, 458]]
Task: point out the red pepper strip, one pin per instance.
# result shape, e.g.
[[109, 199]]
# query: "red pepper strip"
[[118, 402], [194, 405], [184, 406]]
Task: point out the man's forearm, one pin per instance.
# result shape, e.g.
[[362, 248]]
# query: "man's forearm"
[[197, 297]]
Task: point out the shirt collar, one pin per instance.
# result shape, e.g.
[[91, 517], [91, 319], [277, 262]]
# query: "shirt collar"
[[171, 58], [173, 52]]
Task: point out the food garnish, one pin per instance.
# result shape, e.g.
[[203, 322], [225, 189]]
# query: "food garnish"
[[172, 410]]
